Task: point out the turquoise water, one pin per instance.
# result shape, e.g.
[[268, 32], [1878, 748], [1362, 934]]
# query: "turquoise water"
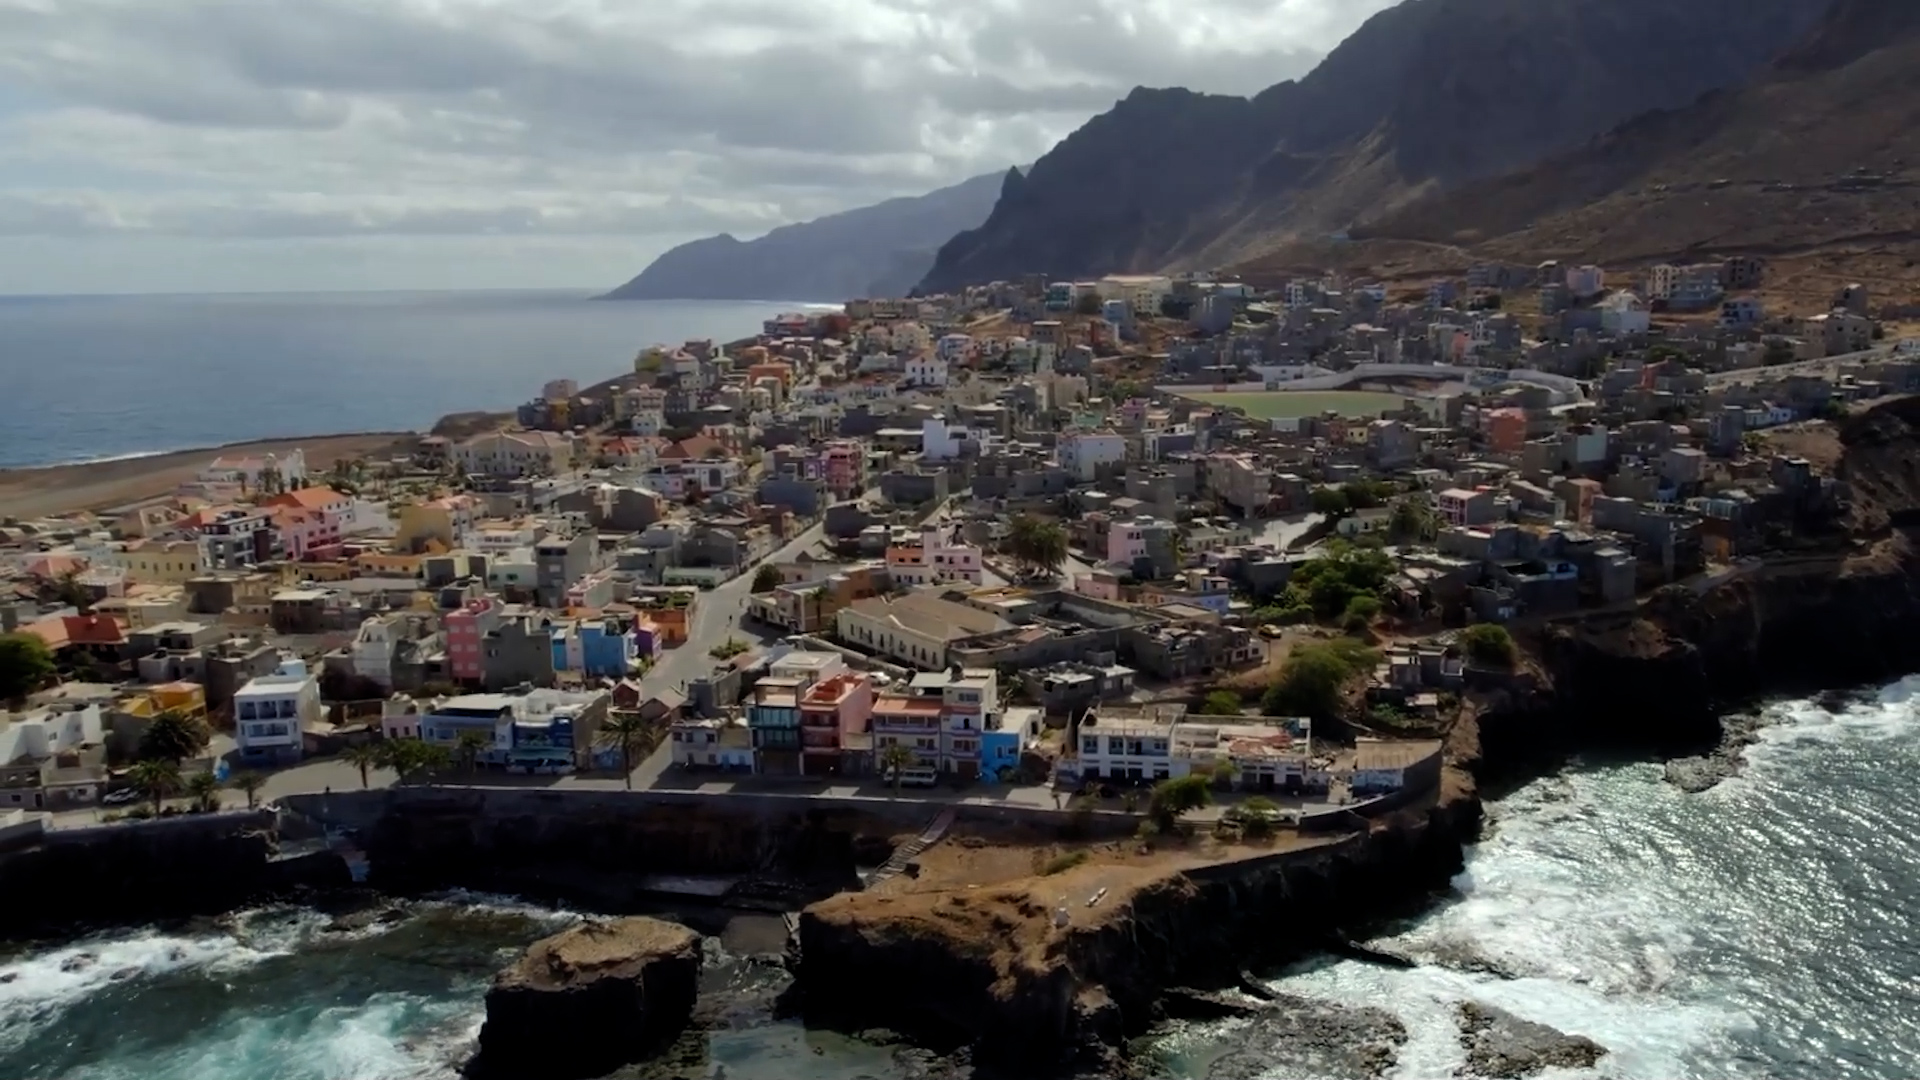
[[1761, 929], [188, 371]]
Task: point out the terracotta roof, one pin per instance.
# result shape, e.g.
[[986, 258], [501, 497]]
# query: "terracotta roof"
[[55, 566], [693, 448], [313, 498]]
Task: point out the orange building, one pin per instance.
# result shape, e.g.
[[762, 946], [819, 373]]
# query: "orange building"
[[1507, 430]]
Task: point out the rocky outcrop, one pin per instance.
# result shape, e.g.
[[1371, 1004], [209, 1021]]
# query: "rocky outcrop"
[[589, 1000], [1502, 1046], [993, 970]]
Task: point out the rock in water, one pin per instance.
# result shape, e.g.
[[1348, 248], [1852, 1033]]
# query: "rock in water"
[[588, 1000], [1502, 1046]]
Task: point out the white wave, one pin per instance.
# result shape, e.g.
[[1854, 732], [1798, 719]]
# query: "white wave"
[[36, 989], [1892, 713]]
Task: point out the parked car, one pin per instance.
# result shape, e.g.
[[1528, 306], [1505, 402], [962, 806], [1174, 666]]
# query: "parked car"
[[121, 797]]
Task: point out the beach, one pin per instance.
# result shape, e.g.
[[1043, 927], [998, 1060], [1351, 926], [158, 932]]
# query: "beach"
[[103, 485]]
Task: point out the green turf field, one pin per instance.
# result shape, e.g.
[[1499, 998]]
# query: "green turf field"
[[1266, 404]]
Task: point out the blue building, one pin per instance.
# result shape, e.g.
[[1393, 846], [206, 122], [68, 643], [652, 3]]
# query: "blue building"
[[1002, 737], [608, 649], [542, 743]]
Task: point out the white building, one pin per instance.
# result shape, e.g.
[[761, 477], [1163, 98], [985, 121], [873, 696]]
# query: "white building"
[[1082, 455], [372, 649], [1143, 744], [925, 370], [1586, 281], [271, 714], [290, 466], [940, 441], [1624, 315], [954, 348], [724, 744]]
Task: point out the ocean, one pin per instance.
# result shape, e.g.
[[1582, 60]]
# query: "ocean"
[[1760, 929], [91, 377]]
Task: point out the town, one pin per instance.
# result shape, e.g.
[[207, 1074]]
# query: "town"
[[1039, 543]]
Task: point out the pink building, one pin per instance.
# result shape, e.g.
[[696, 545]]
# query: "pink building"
[[843, 465], [465, 628], [830, 711], [309, 518]]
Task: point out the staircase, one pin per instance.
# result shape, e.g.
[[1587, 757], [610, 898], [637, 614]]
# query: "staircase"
[[909, 851]]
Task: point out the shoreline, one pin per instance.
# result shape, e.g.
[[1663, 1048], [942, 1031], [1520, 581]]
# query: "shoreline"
[[71, 487]]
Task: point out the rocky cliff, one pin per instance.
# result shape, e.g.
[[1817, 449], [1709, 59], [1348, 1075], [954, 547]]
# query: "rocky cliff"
[[166, 868], [1423, 96], [993, 968], [879, 250]]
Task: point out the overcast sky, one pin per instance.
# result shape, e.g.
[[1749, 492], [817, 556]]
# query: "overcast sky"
[[211, 145]]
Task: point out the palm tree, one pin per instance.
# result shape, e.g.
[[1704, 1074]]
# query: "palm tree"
[[895, 760], [468, 750], [624, 730], [248, 784], [204, 789], [366, 757], [156, 780], [173, 736]]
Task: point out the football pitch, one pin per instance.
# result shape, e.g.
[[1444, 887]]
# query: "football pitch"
[[1267, 404]]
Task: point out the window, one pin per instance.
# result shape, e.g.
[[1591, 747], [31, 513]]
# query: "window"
[[1090, 744]]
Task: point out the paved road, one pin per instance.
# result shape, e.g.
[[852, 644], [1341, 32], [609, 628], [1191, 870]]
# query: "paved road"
[[1824, 365]]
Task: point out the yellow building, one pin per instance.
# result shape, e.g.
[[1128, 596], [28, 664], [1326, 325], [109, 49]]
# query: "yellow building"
[[152, 562], [445, 521]]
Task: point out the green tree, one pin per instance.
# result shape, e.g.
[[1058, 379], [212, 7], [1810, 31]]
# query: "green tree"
[[625, 730], [367, 757], [1332, 502], [71, 591], [895, 760], [248, 784], [155, 779], [1036, 544], [467, 750], [1171, 798], [173, 736], [766, 579], [411, 759], [1221, 703], [204, 789], [1413, 519], [25, 665], [1363, 607], [1489, 644], [1313, 677]]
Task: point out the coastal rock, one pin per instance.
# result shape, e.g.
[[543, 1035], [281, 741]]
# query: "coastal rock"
[[1502, 1046], [1322, 1039], [589, 1000]]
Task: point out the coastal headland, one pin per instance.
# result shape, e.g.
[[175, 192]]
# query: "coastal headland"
[[101, 485]]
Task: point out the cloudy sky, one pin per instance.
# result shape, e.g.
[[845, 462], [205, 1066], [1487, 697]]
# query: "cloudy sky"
[[205, 145]]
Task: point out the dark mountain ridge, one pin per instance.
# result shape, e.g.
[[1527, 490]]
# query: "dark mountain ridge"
[[1422, 97], [1821, 147]]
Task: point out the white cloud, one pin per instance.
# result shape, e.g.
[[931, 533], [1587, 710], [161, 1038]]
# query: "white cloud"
[[606, 128]]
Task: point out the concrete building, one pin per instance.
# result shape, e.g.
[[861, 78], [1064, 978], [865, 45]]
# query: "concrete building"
[[936, 557], [271, 714], [914, 629]]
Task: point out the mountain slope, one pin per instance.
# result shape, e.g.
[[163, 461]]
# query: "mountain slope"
[[1424, 96], [1823, 148], [878, 250]]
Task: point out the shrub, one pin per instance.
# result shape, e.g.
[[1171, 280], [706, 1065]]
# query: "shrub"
[[1171, 798], [1063, 862], [1221, 703], [1488, 644], [1310, 683]]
